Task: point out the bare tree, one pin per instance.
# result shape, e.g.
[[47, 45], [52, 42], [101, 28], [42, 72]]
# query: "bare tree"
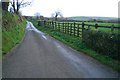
[[37, 14], [17, 4], [56, 14]]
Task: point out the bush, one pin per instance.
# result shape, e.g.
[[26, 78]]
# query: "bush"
[[103, 43]]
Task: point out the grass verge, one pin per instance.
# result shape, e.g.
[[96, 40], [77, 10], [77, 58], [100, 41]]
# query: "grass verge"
[[12, 31], [0, 42]]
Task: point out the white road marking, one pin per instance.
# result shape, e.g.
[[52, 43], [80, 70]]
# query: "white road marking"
[[44, 37]]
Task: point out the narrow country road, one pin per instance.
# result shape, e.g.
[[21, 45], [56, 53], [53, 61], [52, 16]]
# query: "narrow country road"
[[41, 56]]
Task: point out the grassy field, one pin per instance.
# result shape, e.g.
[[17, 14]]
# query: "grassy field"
[[69, 27], [76, 43], [91, 18], [87, 18], [12, 31], [100, 24]]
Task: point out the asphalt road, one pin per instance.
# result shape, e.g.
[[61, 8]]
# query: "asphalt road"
[[41, 56]]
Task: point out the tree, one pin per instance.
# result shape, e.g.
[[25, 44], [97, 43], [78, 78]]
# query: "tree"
[[5, 4], [37, 14], [17, 4], [56, 14]]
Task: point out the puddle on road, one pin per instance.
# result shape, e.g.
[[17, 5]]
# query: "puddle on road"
[[30, 27]]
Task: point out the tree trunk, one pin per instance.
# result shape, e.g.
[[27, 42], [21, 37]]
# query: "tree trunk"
[[18, 7], [13, 5]]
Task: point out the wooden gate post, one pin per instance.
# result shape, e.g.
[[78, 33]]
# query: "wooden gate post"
[[44, 23], [112, 29], [74, 28], [52, 25], [82, 29], [78, 30], [63, 26], [70, 28]]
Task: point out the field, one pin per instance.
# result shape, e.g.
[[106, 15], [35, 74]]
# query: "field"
[[93, 18], [102, 21], [75, 28]]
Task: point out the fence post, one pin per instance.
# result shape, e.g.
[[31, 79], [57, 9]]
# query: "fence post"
[[82, 29], [78, 30], [39, 22], [96, 26], [44, 23], [112, 28], [52, 25], [88, 27], [48, 24], [70, 28], [67, 28], [55, 25], [58, 26], [63, 26], [74, 28]]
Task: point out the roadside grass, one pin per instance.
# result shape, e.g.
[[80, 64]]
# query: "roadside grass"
[[76, 43], [12, 31], [0, 42], [0, 33]]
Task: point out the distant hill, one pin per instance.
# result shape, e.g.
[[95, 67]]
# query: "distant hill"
[[87, 18]]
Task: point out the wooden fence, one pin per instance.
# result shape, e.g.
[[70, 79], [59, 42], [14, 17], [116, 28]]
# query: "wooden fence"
[[72, 28]]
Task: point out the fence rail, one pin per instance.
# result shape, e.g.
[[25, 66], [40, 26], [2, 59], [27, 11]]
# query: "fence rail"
[[72, 28]]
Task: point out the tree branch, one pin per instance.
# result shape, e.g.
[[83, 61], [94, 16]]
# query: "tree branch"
[[21, 2], [25, 4]]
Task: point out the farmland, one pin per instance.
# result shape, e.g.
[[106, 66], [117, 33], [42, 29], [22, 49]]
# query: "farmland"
[[94, 18], [75, 28], [101, 21]]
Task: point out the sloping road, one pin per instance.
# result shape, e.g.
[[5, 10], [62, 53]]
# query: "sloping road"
[[41, 56]]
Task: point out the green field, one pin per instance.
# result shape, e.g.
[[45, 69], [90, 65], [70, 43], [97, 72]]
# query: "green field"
[[104, 23], [69, 27], [91, 18]]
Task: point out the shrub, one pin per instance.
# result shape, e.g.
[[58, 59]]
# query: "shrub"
[[104, 43]]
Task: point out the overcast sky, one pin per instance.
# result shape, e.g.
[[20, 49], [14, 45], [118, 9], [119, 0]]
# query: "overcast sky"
[[102, 8]]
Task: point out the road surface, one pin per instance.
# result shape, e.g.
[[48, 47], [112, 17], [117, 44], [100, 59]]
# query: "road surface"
[[41, 56]]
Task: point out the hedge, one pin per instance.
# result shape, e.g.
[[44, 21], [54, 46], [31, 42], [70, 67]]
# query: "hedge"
[[103, 42]]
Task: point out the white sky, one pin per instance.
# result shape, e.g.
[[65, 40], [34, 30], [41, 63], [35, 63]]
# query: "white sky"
[[103, 8]]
